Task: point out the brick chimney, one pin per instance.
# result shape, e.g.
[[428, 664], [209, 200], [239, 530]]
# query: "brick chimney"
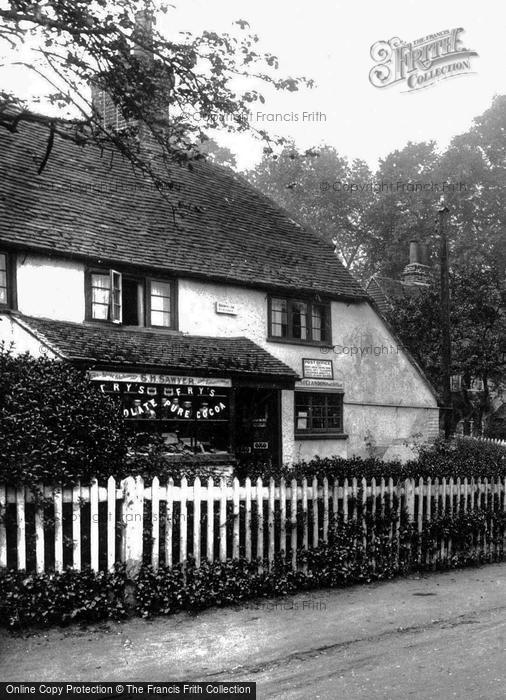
[[110, 112], [417, 271]]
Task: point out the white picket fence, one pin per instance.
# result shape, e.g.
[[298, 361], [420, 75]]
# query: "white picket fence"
[[100, 525], [488, 441]]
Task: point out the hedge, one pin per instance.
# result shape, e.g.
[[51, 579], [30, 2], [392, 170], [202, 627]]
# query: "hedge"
[[72, 596]]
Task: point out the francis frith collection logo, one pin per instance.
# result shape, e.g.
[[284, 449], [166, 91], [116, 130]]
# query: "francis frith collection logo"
[[420, 63]]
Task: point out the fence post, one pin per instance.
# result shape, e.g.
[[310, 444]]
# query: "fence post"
[[155, 523], [282, 515], [21, 527], [260, 524], [133, 513], [210, 519], [58, 528], [39, 533], [270, 522], [3, 531], [111, 523], [223, 520], [293, 523], [236, 511], [169, 521], [247, 520], [196, 521], [94, 561], [183, 522]]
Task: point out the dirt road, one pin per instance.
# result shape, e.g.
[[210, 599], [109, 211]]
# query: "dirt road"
[[438, 636]]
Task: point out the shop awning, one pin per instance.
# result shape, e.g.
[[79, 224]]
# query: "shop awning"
[[111, 346]]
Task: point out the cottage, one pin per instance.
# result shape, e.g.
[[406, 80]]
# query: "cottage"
[[222, 324]]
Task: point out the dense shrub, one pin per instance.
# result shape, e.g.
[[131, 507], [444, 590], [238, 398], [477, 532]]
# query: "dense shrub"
[[462, 457], [54, 424], [61, 598]]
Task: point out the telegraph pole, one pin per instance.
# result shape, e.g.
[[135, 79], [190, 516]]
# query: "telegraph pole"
[[446, 348]]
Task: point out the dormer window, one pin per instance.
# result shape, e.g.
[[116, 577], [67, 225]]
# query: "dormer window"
[[130, 300]]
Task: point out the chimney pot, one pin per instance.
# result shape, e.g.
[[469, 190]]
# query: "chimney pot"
[[414, 252], [144, 21]]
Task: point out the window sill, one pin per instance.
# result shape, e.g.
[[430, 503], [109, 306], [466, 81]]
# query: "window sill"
[[305, 343], [321, 436], [128, 327]]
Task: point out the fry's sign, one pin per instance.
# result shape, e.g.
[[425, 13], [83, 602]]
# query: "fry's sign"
[[168, 402]]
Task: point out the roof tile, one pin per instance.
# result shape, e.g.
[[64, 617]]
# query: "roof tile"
[[213, 223]]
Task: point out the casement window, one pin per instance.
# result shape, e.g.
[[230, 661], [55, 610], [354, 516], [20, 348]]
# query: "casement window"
[[160, 298], [7, 280], [106, 296], [299, 320], [129, 300], [4, 285], [318, 412]]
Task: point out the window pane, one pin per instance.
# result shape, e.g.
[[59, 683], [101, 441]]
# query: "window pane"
[[160, 318], [100, 312], [299, 320], [100, 295], [3, 262], [101, 281], [160, 304], [161, 289], [279, 318], [317, 323]]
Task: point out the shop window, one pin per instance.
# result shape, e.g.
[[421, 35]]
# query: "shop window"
[[191, 418], [120, 298], [318, 412], [298, 320]]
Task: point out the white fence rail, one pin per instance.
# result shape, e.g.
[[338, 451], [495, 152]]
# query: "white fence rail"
[[131, 522]]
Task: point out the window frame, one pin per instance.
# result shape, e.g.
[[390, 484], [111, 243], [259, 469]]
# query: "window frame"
[[10, 281], [326, 431], [173, 302], [310, 305], [145, 282]]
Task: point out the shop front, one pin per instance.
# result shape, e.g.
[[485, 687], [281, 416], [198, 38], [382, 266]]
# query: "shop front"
[[218, 416]]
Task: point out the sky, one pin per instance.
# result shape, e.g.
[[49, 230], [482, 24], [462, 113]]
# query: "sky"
[[330, 41]]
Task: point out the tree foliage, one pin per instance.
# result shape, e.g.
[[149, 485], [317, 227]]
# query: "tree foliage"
[[477, 328], [315, 186], [399, 201], [176, 90]]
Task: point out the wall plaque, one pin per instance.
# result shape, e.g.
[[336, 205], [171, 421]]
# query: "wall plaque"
[[317, 369], [223, 307]]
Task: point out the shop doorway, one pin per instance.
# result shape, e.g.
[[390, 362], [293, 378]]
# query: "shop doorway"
[[257, 426]]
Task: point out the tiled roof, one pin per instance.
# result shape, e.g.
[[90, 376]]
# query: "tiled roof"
[[112, 345], [381, 289], [91, 203]]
